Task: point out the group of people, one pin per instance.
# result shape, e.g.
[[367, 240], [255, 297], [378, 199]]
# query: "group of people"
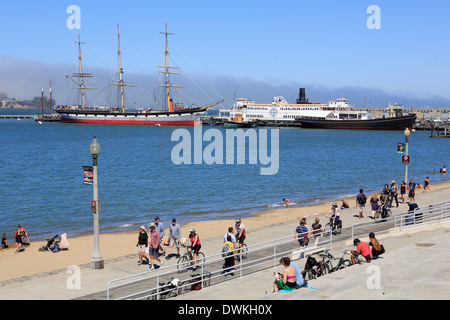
[[442, 170], [366, 251], [153, 243], [232, 242], [388, 194], [302, 234], [21, 238]]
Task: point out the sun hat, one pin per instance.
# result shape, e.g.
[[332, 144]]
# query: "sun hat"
[[152, 224], [142, 227]]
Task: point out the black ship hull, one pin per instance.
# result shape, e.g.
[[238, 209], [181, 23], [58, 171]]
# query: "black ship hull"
[[397, 123]]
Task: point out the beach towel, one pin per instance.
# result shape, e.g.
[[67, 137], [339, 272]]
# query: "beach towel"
[[64, 244]]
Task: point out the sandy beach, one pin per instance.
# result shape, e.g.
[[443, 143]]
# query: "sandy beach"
[[121, 244]]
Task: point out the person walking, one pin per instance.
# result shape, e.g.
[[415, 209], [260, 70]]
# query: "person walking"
[[403, 191], [426, 184], [302, 233], [317, 230], [155, 240], [412, 190], [394, 194], [160, 227], [361, 200], [174, 237], [227, 254], [374, 204], [142, 245]]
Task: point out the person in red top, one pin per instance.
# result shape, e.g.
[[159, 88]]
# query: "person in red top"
[[362, 249]]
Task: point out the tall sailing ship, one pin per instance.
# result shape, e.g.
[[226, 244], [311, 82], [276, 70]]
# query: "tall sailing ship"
[[175, 114]]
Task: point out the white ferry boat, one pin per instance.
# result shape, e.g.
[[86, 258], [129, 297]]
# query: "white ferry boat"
[[280, 111]]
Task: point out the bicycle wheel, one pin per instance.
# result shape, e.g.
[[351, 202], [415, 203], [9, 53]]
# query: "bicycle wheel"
[[327, 230], [388, 213], [183, 264], [200, 258]]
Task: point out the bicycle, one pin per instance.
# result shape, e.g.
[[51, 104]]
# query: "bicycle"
[[314, 269], [342, 263], [330, 228], [187, 259], [242, 252], [196, 283], [383, 212], [166, 290]]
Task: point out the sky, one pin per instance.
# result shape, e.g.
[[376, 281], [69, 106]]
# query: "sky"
[[253, 49]]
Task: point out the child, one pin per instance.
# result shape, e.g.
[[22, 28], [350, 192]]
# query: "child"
[[4, 242]]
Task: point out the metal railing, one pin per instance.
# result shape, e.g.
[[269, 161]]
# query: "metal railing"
[[429, 214], [260, 256], [155, 284]]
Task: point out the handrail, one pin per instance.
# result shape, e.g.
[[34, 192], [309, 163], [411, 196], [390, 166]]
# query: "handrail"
[[263, 253], [259, 255], [431, 213]]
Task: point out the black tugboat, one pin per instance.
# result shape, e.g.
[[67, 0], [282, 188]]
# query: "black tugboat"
[[394, 123]]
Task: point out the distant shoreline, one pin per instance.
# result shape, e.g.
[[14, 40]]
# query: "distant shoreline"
[[20, 107]]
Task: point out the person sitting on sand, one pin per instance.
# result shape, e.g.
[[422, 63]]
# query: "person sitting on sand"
[[344, 204], [287, 280], [4, 242]]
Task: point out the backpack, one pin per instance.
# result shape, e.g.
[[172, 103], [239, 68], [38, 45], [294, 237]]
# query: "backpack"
[[226, 250], [362, 199]]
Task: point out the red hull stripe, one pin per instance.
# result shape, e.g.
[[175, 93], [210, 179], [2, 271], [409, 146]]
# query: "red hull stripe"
[[135, 122]]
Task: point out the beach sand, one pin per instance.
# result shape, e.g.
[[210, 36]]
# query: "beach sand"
[[121, 244]]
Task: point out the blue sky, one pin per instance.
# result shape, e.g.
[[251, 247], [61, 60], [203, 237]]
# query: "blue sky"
[[316, 43]]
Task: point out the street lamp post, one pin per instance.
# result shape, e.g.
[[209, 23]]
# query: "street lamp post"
[[96, 259], [407, 133]]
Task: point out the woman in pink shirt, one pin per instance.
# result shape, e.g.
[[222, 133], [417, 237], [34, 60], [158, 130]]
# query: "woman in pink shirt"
[[362, 249]]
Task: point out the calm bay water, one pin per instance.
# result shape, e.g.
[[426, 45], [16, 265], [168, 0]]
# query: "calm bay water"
[[41, 171]]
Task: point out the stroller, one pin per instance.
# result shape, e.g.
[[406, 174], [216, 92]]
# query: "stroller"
[[52, 244]]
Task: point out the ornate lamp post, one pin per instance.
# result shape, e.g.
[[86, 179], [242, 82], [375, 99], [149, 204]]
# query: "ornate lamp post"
[[407, 133], [96, 259]]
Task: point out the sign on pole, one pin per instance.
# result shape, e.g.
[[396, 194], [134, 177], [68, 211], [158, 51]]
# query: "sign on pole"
[[406, 159], [401, 148], [88, 177]]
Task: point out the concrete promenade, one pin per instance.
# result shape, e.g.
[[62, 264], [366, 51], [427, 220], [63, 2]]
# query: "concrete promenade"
[[415, 266]]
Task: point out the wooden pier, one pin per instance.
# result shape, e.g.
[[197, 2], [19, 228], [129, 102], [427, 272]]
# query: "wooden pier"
[[21, 116]]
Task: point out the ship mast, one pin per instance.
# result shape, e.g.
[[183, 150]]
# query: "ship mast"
[[50, 103], [121, 84], [81, 74], [167, 72]]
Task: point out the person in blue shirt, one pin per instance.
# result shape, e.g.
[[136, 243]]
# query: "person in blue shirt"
[[299, 278], [301, 233]]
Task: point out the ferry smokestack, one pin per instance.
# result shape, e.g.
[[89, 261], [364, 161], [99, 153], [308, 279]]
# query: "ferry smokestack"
[[301, 96]]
